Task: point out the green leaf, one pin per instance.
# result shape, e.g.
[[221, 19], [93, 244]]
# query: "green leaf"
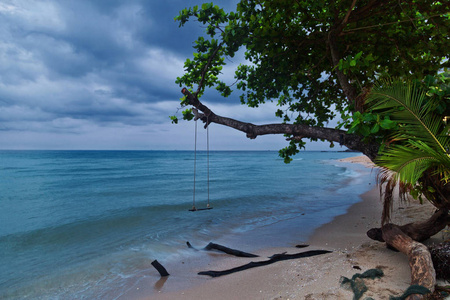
[[188, 115], [365, 130], [375, 128], [388, 124], [206, 6], [369, 117]]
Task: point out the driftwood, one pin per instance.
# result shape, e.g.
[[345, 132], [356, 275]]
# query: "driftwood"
[[162, 271], [273, 259], [190, 246], [238, 253], [213, 246], [407, 238], [422, 270]]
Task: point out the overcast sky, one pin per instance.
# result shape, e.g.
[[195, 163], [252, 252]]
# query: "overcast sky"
[[100, 74]]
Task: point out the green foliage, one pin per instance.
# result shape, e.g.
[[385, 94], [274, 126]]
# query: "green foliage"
[[369, 125], [209, 58], [293, 148], [438, 91], [174, 119], [187, 114], [421, 141], [357, 63], [287, 48]]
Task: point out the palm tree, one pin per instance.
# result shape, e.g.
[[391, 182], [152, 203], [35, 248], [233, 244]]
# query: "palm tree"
[[416, 155]]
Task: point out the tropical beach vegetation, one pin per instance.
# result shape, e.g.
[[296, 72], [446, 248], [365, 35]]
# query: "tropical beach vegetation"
[[318, 60]]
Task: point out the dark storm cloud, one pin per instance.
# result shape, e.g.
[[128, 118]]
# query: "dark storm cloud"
[[132, 50], [93, 69]]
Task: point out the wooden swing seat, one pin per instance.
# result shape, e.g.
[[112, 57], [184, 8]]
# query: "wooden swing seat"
[[196, 209]]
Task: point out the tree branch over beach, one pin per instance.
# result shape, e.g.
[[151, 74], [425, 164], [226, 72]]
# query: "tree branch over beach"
[[319, 60], [297, 131]]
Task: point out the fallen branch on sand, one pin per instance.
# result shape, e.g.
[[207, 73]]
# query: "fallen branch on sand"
[[273, 259], [162, 271], [213, 246]]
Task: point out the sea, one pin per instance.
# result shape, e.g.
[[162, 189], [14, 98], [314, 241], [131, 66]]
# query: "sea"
[[87, 224]]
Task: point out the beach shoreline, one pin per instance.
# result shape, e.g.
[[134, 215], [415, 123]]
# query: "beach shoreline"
[[309, 278]]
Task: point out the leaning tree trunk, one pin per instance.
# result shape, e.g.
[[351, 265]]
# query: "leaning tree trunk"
[[406, 239]]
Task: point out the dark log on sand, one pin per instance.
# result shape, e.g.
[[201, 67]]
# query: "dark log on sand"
[[273, 259], [162, 271], [238, 253], [213, 246], [190, 246]]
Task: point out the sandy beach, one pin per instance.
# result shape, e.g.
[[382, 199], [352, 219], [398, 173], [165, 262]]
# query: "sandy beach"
[[316, 277]]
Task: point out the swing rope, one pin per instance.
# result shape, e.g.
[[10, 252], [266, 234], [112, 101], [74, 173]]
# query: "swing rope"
[[207, 156], [195, 164]]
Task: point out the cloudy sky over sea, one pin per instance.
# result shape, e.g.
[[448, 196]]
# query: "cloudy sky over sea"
[[83, 74]]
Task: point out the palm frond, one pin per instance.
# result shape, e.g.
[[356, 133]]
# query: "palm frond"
[[417, 150], [406, 104], [409, 162]]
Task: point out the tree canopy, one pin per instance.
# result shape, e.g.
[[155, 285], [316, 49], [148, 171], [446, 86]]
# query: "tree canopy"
[[316, 59]]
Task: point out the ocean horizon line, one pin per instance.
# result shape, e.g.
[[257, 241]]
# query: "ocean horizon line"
[[170, 150]]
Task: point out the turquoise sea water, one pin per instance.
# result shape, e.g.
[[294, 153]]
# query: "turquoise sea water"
[[84, 224]]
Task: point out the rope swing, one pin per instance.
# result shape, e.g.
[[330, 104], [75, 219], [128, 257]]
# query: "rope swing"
[[198, 116]]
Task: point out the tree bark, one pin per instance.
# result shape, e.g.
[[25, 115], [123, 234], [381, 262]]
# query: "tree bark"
[[422, 270], [422, 231], [418, 231], [407, 238], [299, 131]]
